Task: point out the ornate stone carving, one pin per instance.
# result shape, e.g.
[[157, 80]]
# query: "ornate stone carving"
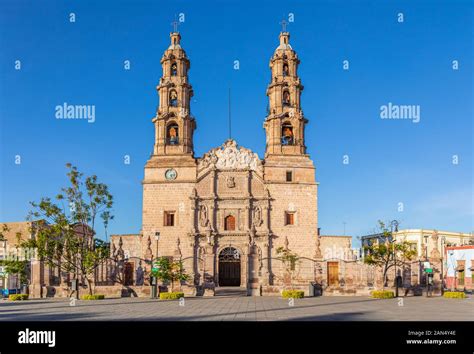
[[230, 182], [177, 251], [148, 252], [286, 243], [435, 252], [230, 156], [318, 253], [203, 216], [257, 216]]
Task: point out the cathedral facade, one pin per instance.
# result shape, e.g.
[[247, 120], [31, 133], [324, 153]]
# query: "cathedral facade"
[[229, 214]]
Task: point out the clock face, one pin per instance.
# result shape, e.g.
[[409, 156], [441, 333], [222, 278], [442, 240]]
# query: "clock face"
[[170, 174]]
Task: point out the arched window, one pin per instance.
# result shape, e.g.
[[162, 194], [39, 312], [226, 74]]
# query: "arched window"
[[172, 135], [286, 70], [173, 98], [287, 137], [286, 98], [174, 69], [229, 223]]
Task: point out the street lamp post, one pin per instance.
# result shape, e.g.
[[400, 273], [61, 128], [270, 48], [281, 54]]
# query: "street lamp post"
[[154, 280], [157, 238], [426, 260], [443, 240], [394, 224]]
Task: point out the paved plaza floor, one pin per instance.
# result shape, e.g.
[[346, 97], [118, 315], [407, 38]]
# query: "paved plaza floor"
[[326, 308]]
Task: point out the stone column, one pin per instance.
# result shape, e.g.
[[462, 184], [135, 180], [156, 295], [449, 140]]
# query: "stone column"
[[35, 290], [265, 259]]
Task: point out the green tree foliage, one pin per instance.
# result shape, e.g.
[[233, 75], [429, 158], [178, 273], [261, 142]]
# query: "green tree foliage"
[[387, 253], [289, 260], [65, 236], [169, 271]]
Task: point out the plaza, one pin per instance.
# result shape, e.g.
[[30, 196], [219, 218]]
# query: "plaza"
[[242, 308]]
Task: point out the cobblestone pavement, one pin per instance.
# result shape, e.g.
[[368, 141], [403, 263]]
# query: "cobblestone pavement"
[[332, 308]]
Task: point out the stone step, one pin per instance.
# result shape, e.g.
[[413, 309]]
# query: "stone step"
[[231, 291]]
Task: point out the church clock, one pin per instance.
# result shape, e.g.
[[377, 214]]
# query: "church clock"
[[170, 174]]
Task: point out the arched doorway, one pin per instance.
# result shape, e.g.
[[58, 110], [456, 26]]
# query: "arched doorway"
[[229, 267]]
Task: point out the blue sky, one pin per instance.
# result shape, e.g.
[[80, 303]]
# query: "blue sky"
[[391, 161]]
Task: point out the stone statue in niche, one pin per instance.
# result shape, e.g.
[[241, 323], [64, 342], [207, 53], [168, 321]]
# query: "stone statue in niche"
[[230, 182], [203, 216], [140, 274], [257, 216]]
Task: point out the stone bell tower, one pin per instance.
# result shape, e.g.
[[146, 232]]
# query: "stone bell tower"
[[289, 172], [170, 172], [285, 122], [174, 125]]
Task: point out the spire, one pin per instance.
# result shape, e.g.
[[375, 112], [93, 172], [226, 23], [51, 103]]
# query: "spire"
[[285, 41], [285, 122], [284, 37], [175, 39], [174, 125]]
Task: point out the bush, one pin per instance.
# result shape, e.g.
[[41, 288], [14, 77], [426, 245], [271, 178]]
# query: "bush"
[[18, 297], [454, 295], [382, 294], [93, 297], [292, 294], [171, 296]]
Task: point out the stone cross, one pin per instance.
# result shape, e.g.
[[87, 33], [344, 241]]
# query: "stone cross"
[[175, 26]]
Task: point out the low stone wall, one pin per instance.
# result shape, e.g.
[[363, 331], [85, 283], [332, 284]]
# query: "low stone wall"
[[345, 291], [110, 291]]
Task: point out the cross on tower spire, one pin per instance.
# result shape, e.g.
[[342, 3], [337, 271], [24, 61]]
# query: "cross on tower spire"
[[283, 24], [175, 26]]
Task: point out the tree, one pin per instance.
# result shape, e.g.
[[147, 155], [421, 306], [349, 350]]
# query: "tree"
[[65, 236], [14, 264], [289, 260], [387, 253], [168, 270]]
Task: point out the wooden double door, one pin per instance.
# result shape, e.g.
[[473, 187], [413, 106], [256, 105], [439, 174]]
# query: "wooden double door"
[[333, 273], [229, 267]]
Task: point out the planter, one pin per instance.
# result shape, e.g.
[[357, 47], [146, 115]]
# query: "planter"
[[171, 296], [93, 297], [454, 295], [292, 294], [18, 297], [382, 294]]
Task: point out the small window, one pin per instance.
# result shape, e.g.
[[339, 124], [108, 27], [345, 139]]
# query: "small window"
[[173, 99], [286, 98], [172, 135], [174, 69], [287, 137], [289, 176], [289, 218], [169, 218], [286, 70], [229, 223]]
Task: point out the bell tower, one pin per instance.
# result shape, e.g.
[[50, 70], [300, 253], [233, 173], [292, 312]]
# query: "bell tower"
[[289, 173], [285, 123], [174, 125]]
